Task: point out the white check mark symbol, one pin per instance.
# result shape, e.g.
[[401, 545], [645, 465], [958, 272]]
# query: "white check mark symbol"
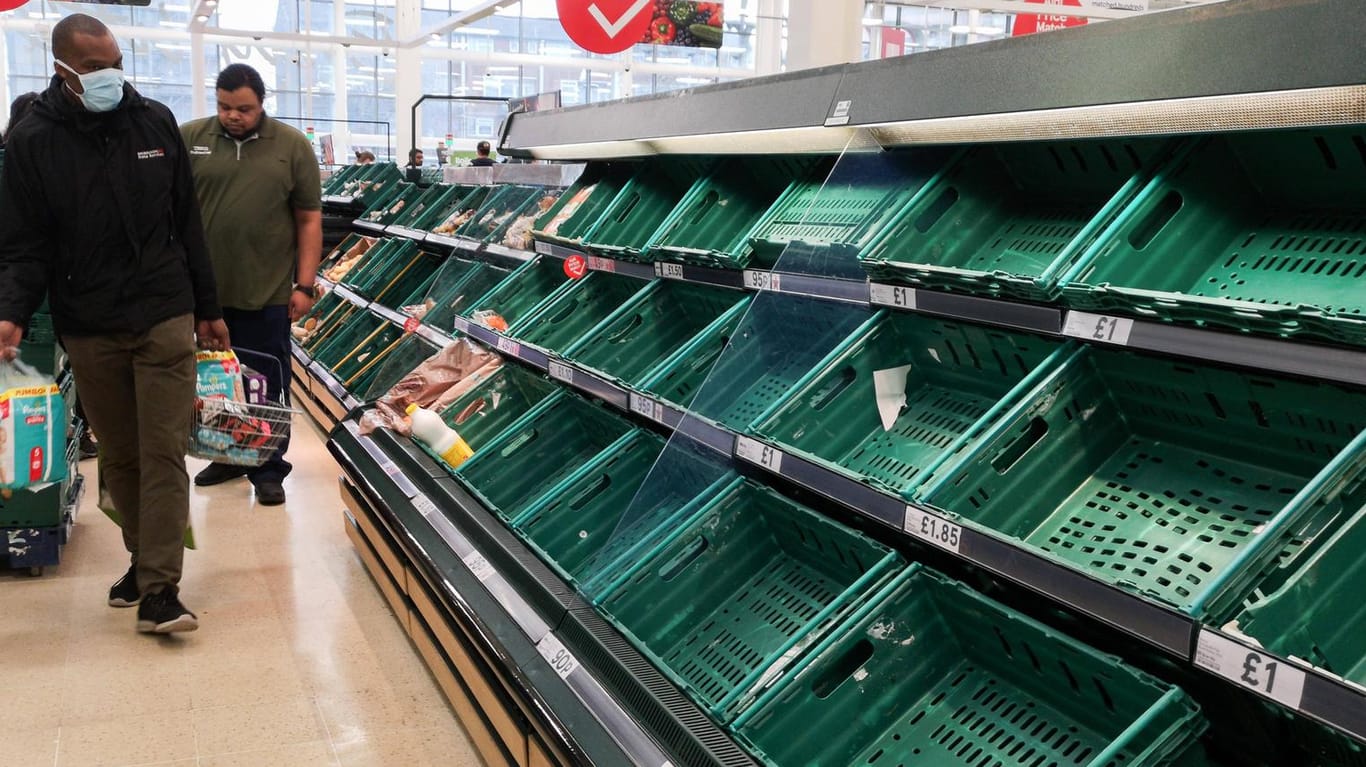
[[614, 28]]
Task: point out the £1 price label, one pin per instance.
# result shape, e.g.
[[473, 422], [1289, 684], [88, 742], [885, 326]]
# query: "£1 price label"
[[668, 271], [561, 372], [509, 346], [756, 452], [560, 659], [892, 295], [1264, 674], [478, 566], [933, 529], [1098, 327]]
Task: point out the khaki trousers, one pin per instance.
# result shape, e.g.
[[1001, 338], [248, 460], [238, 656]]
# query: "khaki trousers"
[[138, 392]]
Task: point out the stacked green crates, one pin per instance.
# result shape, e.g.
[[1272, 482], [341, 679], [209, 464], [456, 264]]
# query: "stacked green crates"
[[571, 313], [455, 289], [387, 203], [579, 208], [520, 293], [930, 672], [631, 219], [1008, 220], [447, 221], [1260, 232], [729, 599], [1180, 482], [432, 197], [958, 377]]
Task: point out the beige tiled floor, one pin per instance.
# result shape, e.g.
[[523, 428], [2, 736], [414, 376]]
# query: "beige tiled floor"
[[298, 660]]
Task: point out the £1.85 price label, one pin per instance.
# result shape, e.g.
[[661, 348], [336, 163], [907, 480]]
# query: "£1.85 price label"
[[933, 529], [1259, 672], [557, 656], [754, 451]]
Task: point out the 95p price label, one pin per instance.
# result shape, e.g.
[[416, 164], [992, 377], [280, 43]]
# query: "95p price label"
[[756, 452], [1098, 327], [560, 659], [758, 280], [642, 405], [933, 529], [1264, 674]]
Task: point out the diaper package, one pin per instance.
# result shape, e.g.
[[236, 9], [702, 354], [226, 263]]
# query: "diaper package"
[[32, 428]]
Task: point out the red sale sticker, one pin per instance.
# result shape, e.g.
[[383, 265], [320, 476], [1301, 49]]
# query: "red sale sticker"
[[411, 325], [575, 267]]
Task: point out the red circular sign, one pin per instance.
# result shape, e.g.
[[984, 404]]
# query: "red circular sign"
[[605, 26], [411, 325], [9, 5], [575, 267]]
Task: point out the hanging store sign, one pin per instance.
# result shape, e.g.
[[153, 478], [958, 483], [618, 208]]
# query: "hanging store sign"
[[9, 5], [1029, 23], [605, 26]]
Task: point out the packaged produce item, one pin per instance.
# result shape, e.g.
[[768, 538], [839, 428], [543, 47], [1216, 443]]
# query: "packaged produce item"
[[570, 208], [454, 221], [442, 439], [345, 262], [438, 381], [32, 428], [518, 235], [491, 320]]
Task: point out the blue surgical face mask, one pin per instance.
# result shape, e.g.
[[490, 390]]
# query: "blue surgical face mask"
[[103, 89]]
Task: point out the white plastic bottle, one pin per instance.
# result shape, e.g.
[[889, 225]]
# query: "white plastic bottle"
[[442, 439]]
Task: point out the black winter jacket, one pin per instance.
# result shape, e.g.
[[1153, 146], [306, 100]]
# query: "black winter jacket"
[[98, 211]]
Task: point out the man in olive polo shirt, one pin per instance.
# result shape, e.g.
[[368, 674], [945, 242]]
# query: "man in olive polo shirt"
[[261, 198]]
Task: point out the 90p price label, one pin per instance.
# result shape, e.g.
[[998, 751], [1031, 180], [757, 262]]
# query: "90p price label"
[[1264, 674], [933, 529], [560, 659]]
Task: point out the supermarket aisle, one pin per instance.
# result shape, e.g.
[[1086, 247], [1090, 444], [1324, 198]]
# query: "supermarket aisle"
[[298, 660]]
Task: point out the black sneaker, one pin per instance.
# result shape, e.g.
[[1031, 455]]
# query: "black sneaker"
[[218, 473], [162, 613], [124, 592], [88, 449], [270, 493]]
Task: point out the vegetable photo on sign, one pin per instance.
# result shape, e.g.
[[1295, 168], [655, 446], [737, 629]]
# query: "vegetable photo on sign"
[[685, 22]]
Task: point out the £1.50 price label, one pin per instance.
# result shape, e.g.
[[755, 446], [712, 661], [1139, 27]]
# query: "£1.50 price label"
[[561, 372], [754, 451], [1098, 327], [557, 656], [668, 271], [1264, 674], [933, 529]]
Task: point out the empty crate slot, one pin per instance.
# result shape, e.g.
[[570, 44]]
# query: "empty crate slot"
[[725, 601], [571, 314], [931, 672], [1262, 231], [1009, 218], [519, 294], [358, 366], [408, 279], [411, 352], [954, 375], [358, 330], [1154, 474], [578, 209], [386, 207], [735, 379], [644, 202], [530, 457], [515, 232], [711, 225], [848, 207], [436, 195], [658, 322], [455, 292], [483, 412]]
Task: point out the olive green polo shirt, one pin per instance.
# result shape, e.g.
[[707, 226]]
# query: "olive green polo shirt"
[[248, 191]]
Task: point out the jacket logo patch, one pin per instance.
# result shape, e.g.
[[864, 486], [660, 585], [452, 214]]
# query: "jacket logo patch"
[[151, 154], [200, 150]]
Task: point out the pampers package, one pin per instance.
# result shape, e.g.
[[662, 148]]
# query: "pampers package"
[[32, 428], [226, 428]]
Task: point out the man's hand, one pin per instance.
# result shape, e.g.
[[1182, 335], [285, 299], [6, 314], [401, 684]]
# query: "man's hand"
[[10, 336], [299, 305], [212, 335]]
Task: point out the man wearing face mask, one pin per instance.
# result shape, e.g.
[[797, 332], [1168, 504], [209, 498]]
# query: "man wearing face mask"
[[97, 211]]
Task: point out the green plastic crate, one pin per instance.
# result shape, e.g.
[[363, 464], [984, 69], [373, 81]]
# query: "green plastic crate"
[[630, 221], [326, 318], [728, 600], [931, 673], [579, 208], [1179, 482], [359, 367], [437, 212], [378, 260], [656, 323], [1007, 220], [1260, 232], [780, 339], [500, 207], [524, 290], [448, 221], [334, 183], [458, 283], [568, 315], [334, 256], [412, 275], [515, 232], [537, 452], [434, 196], [961, 376], [496, 404], [711, 225], [411, 352], [385, 209], [846, 207], [616, 506], [357, 331]]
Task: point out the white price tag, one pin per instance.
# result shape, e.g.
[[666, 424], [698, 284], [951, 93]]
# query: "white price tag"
[[1098, 327], [509, 346], [561, 372], [390, 468], [424, 505], [479, 566], [543, 248], [601, 264], [559, 658], [668, 271], [1264, 674], [892, 295], [757, 280], [751, 450], [933, 529], [642, 405]]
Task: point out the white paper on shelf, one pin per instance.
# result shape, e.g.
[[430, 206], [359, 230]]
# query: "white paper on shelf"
[[890, 386]]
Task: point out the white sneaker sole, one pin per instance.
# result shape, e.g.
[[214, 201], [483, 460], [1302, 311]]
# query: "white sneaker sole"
[[124, 603], [174, 626]]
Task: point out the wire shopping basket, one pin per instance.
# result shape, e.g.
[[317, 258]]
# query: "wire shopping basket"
[[236, 432]]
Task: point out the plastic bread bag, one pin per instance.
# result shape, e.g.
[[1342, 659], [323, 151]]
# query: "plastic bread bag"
[[430, 384], [32, 428]]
